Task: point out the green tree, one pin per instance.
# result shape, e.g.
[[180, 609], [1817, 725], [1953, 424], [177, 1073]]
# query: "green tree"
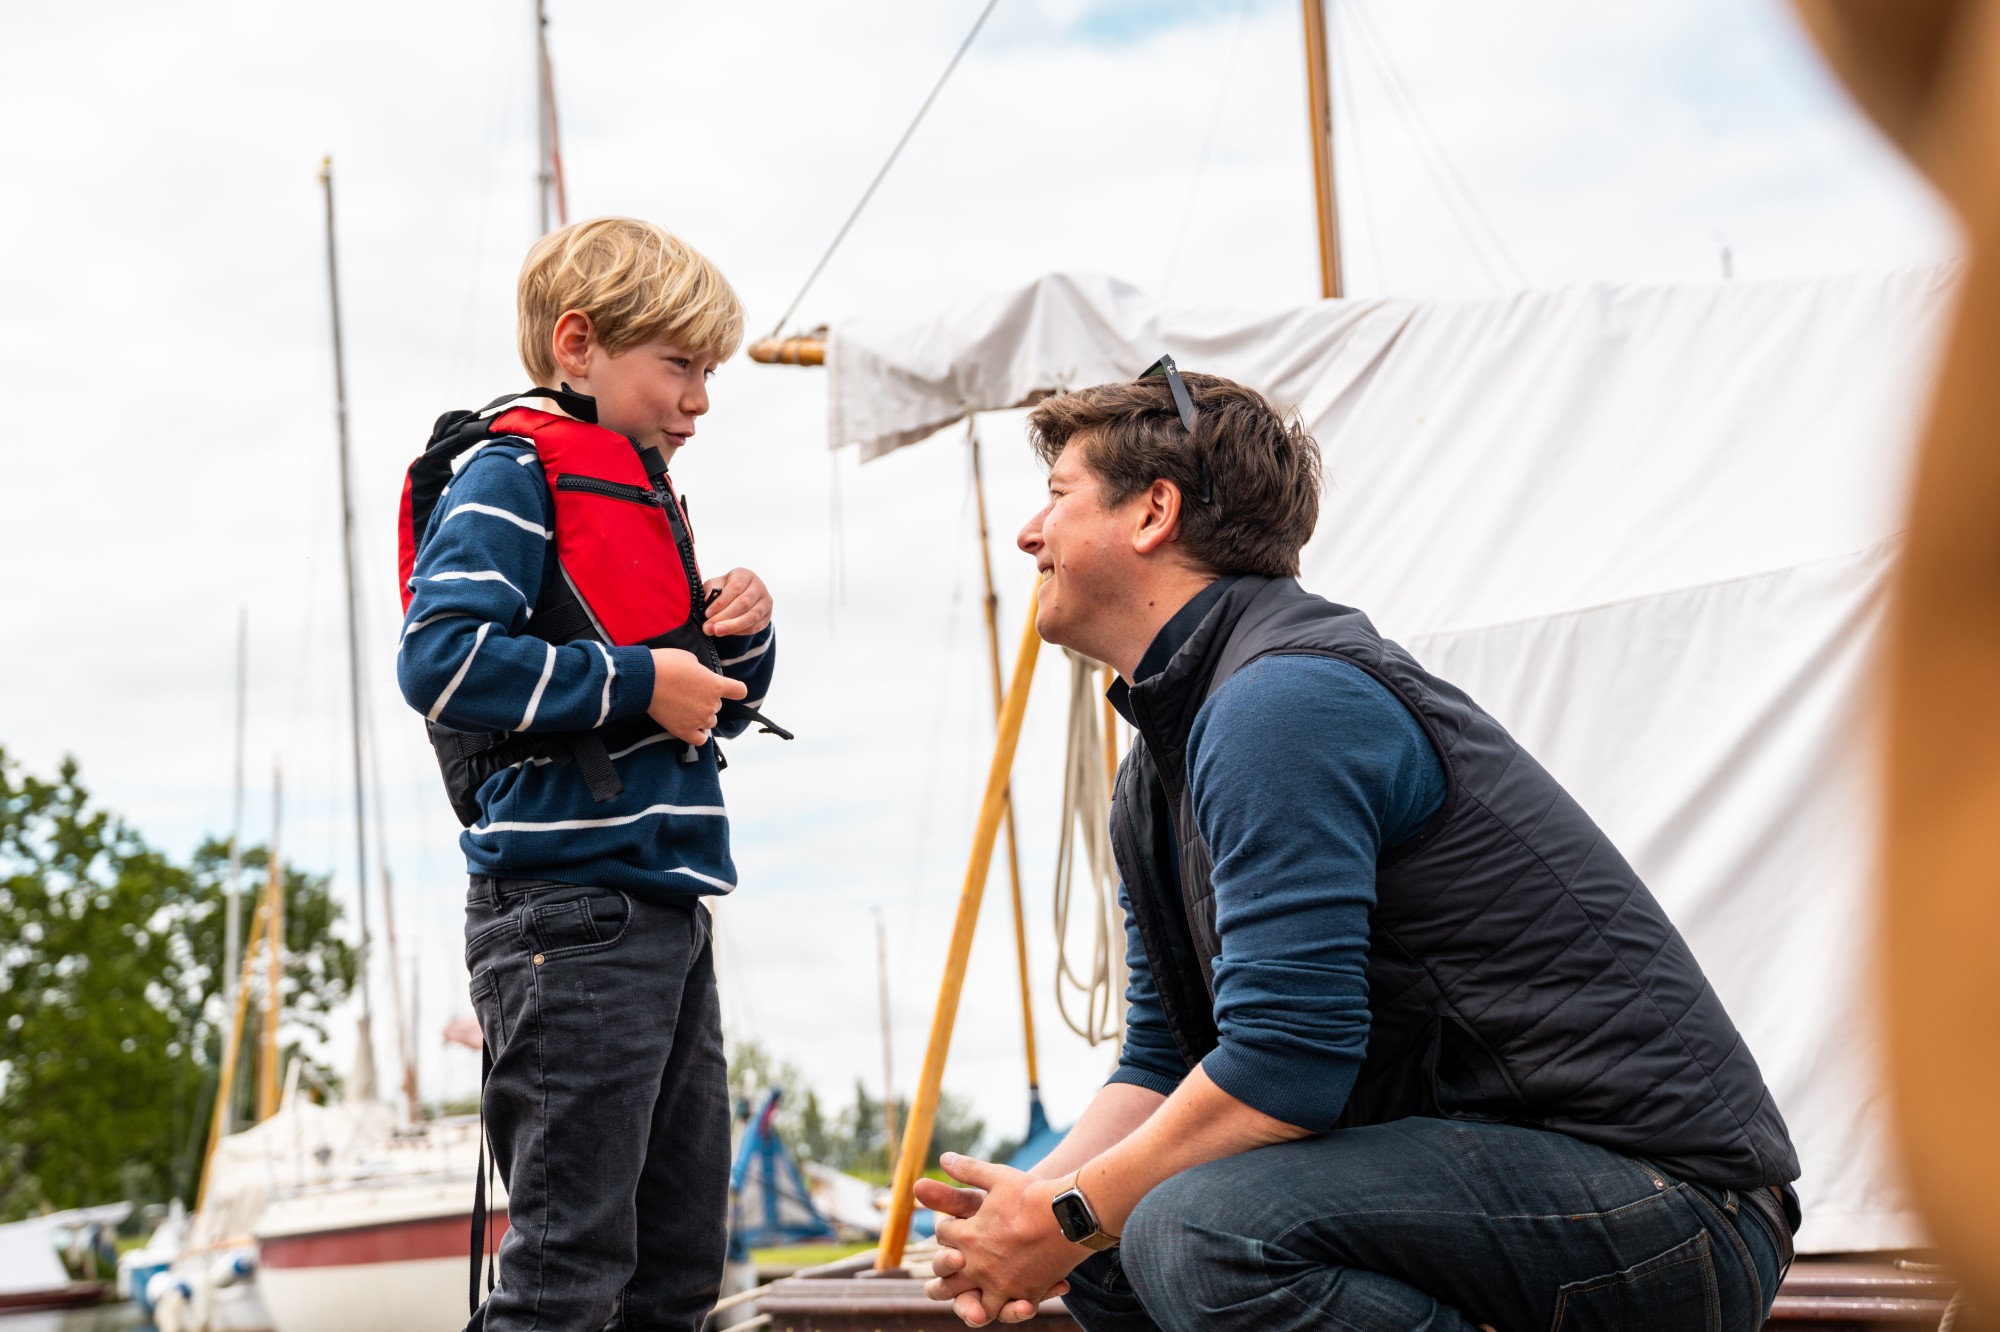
[[111, 1023]]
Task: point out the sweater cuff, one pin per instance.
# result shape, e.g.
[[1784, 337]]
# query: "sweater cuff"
[[1139, 1077], [1310, 1097], [632, 685]]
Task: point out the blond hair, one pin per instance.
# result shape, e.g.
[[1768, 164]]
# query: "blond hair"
[[637, 282]]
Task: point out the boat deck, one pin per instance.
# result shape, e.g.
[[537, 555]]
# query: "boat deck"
[[1820, 1295]]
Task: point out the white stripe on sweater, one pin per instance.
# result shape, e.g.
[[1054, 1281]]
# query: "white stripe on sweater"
[[610, 674], [617, 821], [751, 655], [535, 699], [497, 512], [723, 884], [470, 576], [459, 678], [428, 620]]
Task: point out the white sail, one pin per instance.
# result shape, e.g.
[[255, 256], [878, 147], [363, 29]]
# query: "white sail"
[[1648, 527]]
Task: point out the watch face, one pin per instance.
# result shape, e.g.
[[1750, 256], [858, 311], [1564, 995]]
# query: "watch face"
[[1073, 1216]]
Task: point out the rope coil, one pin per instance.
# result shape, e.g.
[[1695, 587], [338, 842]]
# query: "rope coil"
[[1096, 985]]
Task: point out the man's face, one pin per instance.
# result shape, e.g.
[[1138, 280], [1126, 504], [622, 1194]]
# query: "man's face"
[[1082, 548], [652, 392]]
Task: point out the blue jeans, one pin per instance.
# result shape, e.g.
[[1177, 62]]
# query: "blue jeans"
[[1429, 1225], [607, 1105]]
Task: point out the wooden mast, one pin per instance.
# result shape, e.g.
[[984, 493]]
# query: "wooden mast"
[[999, 706], [923, 1109], [549, 175], [1319, 111], [364, 1055]]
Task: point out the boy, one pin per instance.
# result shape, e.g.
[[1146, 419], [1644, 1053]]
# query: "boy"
[[593, 833]]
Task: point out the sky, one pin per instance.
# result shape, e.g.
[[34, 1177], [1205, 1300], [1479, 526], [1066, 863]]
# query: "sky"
[[171, 459]]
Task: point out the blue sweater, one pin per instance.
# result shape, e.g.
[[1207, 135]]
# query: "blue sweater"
[[1304, 770], [463, 661]]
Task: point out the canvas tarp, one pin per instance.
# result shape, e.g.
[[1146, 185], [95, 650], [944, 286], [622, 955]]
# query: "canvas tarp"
[[1649, 528]]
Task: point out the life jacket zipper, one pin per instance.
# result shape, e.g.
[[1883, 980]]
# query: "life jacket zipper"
[[618, 490], [663, 492]]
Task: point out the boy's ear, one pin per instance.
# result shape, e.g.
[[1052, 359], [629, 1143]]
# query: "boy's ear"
[[572, 341]]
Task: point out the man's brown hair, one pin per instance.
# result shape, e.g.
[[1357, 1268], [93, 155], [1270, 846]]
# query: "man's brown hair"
[[1263, 470]]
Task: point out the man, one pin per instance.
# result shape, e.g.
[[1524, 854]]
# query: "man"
[[1409, 1044]]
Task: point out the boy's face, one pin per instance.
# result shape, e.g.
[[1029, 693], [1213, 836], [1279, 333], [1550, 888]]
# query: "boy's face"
[[652, 392]]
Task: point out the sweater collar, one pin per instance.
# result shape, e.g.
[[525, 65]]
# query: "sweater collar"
[[1174, 673]]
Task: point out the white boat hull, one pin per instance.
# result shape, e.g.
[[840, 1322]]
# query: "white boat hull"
[[392, 1253], [421, 1295]]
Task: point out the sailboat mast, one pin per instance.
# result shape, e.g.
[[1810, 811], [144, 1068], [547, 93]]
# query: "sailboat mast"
[[888, 1067], [274, 975], [1319, 111], [365, 1054], [232, 923], [549, 172]]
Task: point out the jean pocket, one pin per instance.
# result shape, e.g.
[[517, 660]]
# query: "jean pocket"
[[1673, 1292], [596, 920]]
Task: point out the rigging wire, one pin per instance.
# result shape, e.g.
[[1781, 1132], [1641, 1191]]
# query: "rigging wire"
[[894, 153], [1343, 86], [1207, 145], [1430, 148]]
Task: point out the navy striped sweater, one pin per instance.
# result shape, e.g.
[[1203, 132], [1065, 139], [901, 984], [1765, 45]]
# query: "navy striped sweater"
[[464, 662]]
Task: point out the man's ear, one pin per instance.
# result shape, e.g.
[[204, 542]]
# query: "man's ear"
[[1158, 509], [574, 334]]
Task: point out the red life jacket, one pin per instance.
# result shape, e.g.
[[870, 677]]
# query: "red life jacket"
[[624, 572]]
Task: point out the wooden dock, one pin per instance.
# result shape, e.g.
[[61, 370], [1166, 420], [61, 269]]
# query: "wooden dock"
[[1820, 1295]]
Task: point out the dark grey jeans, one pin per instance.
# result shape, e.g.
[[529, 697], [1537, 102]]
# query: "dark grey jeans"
[[1426, 1225], [607, 1105]]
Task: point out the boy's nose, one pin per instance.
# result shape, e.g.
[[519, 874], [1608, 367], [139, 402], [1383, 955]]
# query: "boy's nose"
[[1030, 538], [696, 401]]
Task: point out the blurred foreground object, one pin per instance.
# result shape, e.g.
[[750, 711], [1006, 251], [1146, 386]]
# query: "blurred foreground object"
[[1928, 71]]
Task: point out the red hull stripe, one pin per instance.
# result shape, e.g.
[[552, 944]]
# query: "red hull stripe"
[[397, 1242]]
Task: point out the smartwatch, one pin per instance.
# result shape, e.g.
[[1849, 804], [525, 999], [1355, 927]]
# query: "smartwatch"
[[1078, 1223]]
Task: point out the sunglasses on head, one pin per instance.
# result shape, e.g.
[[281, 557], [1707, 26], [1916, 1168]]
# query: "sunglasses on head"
[[1184, 404]]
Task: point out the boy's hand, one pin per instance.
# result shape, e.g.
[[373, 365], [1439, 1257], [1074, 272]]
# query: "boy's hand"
[[687, 696], [738, 603]]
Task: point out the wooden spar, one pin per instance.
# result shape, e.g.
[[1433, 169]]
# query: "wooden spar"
[[232, 1050], [807, 350], [999, 705], [923, 1110], [1319, 111], [274, 938]]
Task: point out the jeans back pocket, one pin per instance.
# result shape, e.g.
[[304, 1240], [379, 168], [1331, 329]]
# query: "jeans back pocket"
[[1672, 1292]]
